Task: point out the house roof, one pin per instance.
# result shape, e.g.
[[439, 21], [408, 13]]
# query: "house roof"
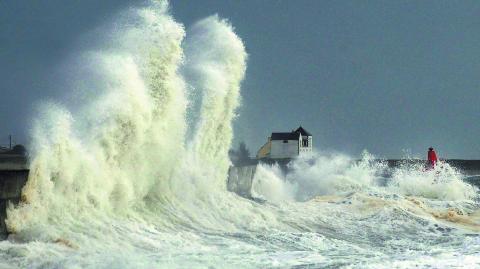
[[293, 135], [285, 136], [302, 131]]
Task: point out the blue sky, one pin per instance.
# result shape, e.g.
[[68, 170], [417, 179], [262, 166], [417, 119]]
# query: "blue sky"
[[386, 76]]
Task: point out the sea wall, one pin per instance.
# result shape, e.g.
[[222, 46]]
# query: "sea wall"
[[240, 179], [13, 176]]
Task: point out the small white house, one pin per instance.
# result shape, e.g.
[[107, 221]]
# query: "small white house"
[[286, 145]]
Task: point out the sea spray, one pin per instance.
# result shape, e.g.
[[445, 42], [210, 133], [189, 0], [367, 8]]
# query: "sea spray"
[[338, 174], [215, 62], [124, 153], [134, 136], [443, 182], [217, 59], [319, 174], [270, 184]]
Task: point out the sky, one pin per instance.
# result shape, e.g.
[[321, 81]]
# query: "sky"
[[390, 77]]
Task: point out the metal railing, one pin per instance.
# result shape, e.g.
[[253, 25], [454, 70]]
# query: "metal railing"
[[7, 146]]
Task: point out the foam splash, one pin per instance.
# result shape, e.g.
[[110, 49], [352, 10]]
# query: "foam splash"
[[270, 184], [126, 149], [320, 174], [337, 174], [443, 182]]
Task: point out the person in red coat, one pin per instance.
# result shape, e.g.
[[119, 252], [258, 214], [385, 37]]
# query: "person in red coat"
[[432, 158]]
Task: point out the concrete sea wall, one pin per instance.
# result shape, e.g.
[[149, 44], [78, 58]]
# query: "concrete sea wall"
[[13, 176], [240, 179]]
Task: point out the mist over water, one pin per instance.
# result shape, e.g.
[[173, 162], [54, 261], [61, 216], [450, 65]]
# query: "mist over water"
[[136, 177]]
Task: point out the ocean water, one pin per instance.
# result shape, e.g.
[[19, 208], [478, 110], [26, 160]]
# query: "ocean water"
[[135, 175]]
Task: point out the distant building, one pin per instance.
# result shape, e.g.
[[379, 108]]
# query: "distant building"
[[16, 150], [286, 145]]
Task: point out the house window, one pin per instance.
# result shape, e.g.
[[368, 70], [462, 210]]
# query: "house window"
[[285, 141], [305, 142]]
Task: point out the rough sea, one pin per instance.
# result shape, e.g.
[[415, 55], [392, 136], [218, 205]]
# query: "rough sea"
[[134, 174]]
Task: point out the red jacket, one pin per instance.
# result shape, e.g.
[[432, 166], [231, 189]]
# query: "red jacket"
[[432, 157]]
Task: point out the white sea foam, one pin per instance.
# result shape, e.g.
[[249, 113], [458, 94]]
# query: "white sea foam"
[[337, 174], [443, 182], [270, 184]]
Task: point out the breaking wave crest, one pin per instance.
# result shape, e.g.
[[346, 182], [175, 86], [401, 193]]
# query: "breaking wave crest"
[[126, 150]]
